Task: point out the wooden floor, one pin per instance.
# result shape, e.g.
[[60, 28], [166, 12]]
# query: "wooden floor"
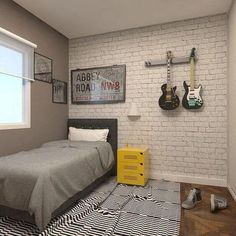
[[200, 221]]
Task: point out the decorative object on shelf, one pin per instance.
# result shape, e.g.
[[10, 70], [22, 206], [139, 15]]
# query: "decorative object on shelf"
[[169, 100], [192, 97], [133, 110], [98, 85], [42, 68], [133, 166], [59, 91]]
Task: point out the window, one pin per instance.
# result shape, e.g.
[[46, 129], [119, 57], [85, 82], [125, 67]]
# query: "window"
[[16, 66]]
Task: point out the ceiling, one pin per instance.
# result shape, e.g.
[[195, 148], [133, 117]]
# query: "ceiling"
[[78, 18]]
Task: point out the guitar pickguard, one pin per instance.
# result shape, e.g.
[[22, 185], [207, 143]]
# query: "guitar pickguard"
[[192, 98]]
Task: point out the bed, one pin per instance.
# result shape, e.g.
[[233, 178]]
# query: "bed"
[[68, 171]]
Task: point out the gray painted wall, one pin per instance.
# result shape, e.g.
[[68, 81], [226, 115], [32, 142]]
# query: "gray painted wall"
[[48, 120], [232, 100]]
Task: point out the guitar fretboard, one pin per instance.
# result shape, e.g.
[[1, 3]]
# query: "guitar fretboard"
[[192, 74], [168, 75]]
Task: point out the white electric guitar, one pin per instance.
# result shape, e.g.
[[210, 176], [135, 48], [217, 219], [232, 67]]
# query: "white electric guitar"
[[192, 97]]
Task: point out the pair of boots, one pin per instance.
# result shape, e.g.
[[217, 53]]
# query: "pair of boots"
[[194, 196]]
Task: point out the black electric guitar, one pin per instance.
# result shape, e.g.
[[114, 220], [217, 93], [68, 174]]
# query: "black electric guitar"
[[192, 97], [168, 100]]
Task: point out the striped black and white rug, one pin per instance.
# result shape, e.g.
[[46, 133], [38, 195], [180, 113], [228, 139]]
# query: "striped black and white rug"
[[114, 210]]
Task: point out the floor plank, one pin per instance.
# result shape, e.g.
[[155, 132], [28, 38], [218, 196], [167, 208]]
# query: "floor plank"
[[200, 221]]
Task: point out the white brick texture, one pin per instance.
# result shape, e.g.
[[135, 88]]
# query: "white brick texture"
[[183, 144]]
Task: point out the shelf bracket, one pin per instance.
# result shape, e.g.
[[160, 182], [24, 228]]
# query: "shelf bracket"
[[177, 60]]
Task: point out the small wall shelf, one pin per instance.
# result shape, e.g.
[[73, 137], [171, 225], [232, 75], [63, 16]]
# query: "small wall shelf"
[[177, 60]]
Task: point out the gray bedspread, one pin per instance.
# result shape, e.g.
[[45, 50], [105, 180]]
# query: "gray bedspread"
[[40, 180]]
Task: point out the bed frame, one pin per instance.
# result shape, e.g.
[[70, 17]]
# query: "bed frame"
[[111, 124]]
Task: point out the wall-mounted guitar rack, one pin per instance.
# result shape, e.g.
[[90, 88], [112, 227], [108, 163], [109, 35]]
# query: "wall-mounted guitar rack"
[[178, 60]]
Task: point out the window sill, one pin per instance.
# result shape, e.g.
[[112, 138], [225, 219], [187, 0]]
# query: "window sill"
[[14, 126]]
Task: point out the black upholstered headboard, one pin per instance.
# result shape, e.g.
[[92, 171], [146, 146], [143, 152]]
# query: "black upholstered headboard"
[[110, 124]]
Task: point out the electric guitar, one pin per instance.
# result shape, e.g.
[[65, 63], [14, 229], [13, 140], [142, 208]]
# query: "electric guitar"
[[192, 97], [169, 100]]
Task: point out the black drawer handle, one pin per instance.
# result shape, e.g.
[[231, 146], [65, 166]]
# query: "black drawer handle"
[[141, 153], [141, 174], [141, 164]]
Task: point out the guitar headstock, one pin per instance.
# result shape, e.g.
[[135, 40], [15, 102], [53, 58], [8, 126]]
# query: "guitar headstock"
[[169, 55], [192, 54]]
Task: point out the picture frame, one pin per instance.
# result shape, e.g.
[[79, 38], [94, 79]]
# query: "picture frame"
[[98, 85], [42, 68], [59, 91]]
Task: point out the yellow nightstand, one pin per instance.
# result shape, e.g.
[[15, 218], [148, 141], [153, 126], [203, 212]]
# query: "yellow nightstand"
[[132, 166]]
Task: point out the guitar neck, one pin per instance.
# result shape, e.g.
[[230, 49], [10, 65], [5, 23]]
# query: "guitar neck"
[[168, 75], [192, 74]]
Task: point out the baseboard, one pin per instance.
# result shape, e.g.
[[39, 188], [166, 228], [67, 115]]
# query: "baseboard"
[[190, 179], [232, 192]]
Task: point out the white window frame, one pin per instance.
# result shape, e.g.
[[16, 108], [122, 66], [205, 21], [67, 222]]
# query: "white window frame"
[[7, 39]]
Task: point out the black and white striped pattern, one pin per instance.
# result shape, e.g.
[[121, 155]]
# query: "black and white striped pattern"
[[113, 210], [10, 227]]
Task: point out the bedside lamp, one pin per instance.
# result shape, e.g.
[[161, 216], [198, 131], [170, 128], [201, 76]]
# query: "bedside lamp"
[[133, 110]]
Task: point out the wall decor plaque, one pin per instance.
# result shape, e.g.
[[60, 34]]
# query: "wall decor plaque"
[[42, 68], [98, 85], [59, 91]]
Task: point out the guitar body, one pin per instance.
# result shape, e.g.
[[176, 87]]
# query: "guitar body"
[[192, 98], [169, 100]]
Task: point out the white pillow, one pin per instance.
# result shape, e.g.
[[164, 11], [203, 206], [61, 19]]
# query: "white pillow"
[[88, 134]]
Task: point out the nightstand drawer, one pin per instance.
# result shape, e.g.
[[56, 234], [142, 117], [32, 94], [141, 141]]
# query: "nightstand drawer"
[[131, 166], [131, 156], [131, 178]]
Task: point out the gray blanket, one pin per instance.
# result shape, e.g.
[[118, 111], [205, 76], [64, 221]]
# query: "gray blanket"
[[40, 180]]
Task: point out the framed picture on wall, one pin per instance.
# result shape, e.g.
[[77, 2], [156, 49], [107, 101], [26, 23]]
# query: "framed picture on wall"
[[59, 91], [42, 68], [98, 85]]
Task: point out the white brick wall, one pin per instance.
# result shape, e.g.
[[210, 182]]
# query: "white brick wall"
[[187, 145]]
